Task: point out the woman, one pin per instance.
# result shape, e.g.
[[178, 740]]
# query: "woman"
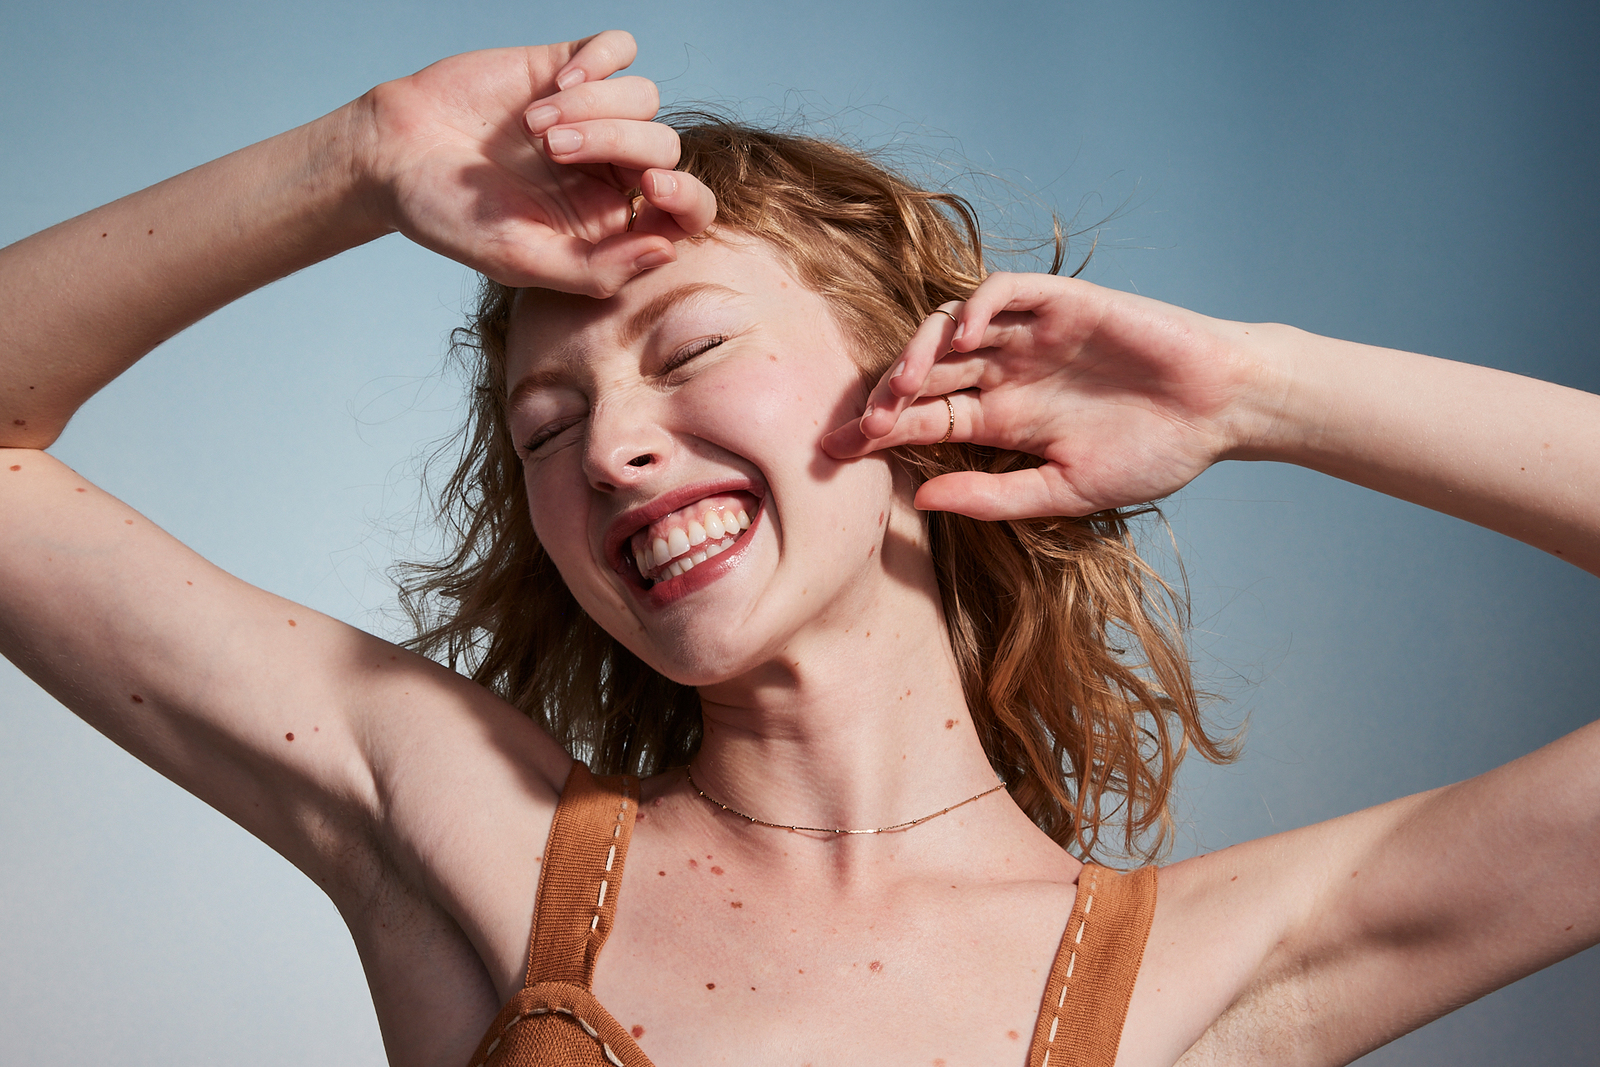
[[834, 697]]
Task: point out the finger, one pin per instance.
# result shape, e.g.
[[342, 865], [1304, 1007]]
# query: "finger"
[[597, 58], [1024, 494], [536, 256], [624, 143], [906, 380], [679, 205], [931, 420], [616, 98]]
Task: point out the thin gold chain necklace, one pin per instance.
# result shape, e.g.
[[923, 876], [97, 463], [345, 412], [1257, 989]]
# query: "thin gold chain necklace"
[[832, 829]]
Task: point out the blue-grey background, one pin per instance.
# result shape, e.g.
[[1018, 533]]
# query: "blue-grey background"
[[1419, 175]]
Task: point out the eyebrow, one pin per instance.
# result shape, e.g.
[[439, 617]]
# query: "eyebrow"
[[636, 326]]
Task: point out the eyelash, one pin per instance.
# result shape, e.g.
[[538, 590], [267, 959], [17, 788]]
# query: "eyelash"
[[688, 352], [683, 356]]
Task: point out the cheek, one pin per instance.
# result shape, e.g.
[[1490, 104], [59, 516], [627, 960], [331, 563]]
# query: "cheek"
[[790, 399], [558, 521]]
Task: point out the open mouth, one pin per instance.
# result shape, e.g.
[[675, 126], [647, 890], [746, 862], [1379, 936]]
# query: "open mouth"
[[678, 542]]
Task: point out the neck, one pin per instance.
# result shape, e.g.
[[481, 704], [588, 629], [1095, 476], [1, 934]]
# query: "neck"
[[862, 726]]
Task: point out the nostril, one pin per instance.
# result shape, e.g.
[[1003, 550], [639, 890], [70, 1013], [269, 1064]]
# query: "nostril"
[[641, 461]]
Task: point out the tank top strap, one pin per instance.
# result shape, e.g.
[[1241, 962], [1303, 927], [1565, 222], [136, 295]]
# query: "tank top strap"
[[583, 863], [1086, 998]]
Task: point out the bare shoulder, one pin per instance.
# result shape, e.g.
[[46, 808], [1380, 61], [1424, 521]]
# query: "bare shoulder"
[[1317, 945], [1235, 964], [418, 800]]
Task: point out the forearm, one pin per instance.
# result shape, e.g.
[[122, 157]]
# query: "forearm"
[[1510, 453], [82, 301]]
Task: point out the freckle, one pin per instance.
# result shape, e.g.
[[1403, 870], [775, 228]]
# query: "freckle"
[[708, 857], [637, 1032], [136, 698], [393, 658], [1012, 1034], [293, 623], [869, 633], [128, 522], [715, 870], [694, 864], [147, 233], [876, 966], [711, 985], [802, 970], [662, 873], [771, 358], [288, 737], [316, 729], [1354, 873], [18, 466], [102, 235], [753, 988], [736, 904], [938, 1063], [949, 724], [1235, 878], [19, 422]]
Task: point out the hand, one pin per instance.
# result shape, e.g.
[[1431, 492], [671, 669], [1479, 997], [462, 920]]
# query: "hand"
[[1125, 399], [516, 162]]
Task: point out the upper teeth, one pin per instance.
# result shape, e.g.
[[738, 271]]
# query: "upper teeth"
[[681, 549]]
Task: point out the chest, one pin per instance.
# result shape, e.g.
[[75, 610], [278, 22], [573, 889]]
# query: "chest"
[[708, 961]]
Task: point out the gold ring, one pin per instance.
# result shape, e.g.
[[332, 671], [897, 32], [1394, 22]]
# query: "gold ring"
[[634, 196], [947, 314], [950, 429]]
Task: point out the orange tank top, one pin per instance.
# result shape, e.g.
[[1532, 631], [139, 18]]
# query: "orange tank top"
[[555, 1020]]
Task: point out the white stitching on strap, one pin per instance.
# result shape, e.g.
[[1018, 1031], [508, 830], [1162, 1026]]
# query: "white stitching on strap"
[[611, 859], [611, 1057], [1072, 960]]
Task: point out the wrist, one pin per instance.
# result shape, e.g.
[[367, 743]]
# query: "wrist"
[[1275, 413], [343, 155]]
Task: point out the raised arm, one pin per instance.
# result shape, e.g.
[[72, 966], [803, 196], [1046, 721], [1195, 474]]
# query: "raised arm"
[[454, 157], [408, 793], [1314, 946]]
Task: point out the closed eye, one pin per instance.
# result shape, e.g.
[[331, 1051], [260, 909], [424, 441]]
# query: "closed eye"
[[690, 351], [545, 434]]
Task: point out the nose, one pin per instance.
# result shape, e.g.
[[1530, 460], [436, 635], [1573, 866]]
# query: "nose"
[[627, 443]]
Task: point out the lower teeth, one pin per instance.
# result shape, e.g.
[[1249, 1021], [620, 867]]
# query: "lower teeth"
[[684, 564]]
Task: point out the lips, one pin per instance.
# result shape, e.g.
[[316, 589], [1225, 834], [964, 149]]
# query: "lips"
[[680, 530], [691, 535]]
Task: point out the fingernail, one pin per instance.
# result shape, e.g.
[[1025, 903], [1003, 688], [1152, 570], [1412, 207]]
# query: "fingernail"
[[662, 183], [867, 414], [654, 258], [899, 369], [542, 118], [572, 77], [961, 328], [563, 142]]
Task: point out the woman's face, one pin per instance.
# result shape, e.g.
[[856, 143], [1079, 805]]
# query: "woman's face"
[[654, 425]]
